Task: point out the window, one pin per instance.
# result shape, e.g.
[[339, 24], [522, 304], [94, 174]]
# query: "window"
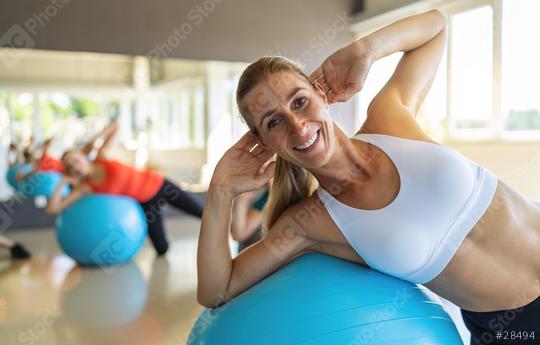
[[432, 115], [486, 83], [471, 57], [74, 118], [20, 106], [178, 119], [520, 66]]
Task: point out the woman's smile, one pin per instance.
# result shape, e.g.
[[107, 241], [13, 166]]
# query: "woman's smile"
[[310, 144]]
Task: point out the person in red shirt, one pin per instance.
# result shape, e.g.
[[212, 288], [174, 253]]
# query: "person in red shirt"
[[109, 176], [44, 163]]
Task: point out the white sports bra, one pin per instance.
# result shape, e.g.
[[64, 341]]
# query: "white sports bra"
[[442, 196]]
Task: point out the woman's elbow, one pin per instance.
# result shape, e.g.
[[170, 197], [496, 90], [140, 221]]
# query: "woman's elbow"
[[441, 17], [209, 300]]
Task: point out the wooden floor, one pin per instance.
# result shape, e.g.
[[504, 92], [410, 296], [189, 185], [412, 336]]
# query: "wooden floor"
[[50, 300]]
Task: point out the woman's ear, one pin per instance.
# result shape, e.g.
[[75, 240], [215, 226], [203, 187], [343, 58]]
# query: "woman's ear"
[[319, 90]]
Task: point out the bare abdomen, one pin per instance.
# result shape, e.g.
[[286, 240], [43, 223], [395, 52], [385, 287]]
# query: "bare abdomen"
[[497, 266]]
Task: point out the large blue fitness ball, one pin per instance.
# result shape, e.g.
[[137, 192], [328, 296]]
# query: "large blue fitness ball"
[[43, 183], [102, 230], [320, 300]]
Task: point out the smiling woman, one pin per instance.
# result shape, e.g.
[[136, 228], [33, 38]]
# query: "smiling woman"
[[254, 97], [389, 197]]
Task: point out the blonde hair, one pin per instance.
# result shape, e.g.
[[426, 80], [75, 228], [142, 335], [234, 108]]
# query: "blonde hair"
[[291, 183]]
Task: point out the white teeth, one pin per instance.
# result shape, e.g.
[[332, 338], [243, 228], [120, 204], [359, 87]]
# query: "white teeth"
[[308, 143]]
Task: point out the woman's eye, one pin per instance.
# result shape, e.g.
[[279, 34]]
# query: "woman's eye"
[[272, 123], [299, 103]]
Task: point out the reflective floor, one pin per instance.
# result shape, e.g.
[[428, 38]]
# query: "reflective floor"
[[50, 300]]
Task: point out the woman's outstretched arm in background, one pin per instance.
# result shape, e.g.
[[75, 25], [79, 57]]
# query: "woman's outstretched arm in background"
[[57, 202], [105, 137], [246, 219]]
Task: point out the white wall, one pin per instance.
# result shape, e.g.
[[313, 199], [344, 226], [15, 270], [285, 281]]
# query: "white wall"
[[517, 163]]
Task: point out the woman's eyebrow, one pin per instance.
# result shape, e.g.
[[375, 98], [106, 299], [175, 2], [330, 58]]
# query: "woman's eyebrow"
[[272, 111]]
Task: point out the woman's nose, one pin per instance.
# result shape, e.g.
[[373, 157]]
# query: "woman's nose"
[[297, 125]]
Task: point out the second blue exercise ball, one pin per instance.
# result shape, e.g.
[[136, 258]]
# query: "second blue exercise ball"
[[42, 183], [12, 173], [319, 300], [102, 230]]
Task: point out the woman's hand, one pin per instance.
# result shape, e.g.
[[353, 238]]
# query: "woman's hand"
[[244, 167], [343, 73]]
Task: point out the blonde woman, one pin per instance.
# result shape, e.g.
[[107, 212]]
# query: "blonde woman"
[[389, 197]]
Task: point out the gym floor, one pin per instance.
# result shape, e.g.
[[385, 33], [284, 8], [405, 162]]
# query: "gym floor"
[[50, 300]]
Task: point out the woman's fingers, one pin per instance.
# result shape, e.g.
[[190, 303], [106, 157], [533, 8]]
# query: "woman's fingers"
[[317, 74], [333, 78], [266, 174], [264, 155], [247, 141]]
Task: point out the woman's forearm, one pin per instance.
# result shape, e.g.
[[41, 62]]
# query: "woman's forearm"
[[214, 261], [54, 204], [404, 35]]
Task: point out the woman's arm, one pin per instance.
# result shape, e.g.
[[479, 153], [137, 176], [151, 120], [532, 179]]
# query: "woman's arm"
[[243, 168], [107, 134], [220, 277], [57, 203], [422, 38], [21, 176]]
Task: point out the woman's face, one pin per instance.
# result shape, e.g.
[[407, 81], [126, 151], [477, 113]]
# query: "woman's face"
[[76, 164], [292, 117]]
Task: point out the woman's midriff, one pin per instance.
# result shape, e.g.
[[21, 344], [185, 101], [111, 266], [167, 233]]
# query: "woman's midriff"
[[497, 266]]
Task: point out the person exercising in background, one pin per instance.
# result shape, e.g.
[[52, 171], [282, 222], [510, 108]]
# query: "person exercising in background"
[[246, 223], [13, 156], [109, 176], [17, 250], [45, 162]]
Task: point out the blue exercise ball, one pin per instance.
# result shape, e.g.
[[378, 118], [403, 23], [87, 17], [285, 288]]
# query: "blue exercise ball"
[[42, 183], [12, 173], [102, 230], [319, 300]]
